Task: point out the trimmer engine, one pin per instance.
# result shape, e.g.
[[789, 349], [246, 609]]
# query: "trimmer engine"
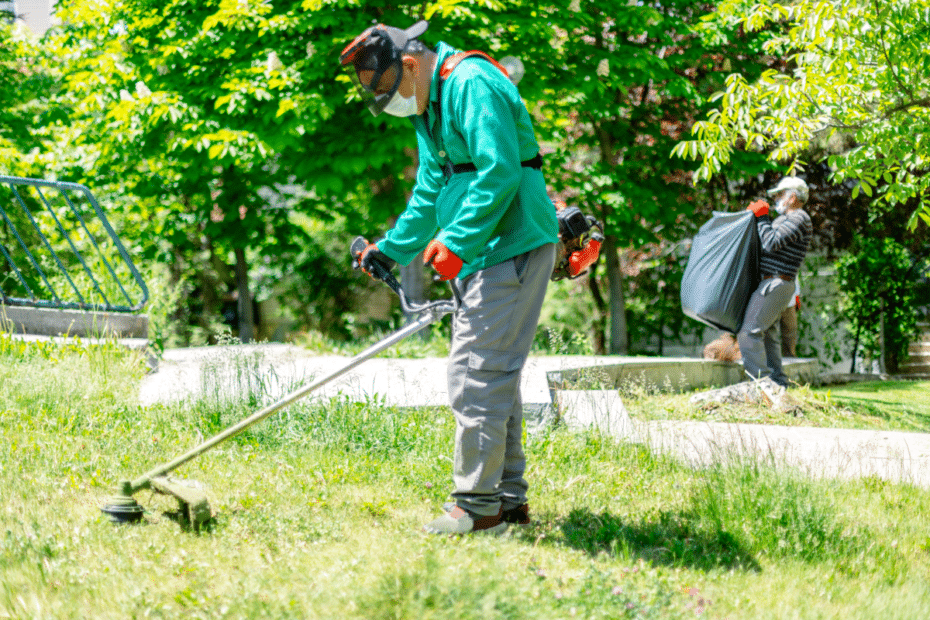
[[578, 234]]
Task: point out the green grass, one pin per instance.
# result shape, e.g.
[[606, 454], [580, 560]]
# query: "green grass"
[[319, 510]]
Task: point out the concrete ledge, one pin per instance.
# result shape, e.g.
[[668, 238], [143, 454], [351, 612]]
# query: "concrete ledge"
[[896, 456], [671, 374], [49, 322]]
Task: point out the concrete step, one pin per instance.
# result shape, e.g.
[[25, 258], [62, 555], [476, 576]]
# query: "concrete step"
[[919, 348], [911, 367], [913, 376]]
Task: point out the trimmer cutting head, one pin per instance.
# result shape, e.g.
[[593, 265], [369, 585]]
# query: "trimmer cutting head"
[[121, 507], [193, 506]]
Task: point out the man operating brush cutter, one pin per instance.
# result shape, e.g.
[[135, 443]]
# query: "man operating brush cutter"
[[480, 211]]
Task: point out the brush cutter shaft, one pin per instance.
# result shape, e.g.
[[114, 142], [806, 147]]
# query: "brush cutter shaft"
[[425, 319]]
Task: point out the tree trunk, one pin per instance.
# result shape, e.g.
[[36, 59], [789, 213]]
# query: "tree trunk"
[[600, 321], [619, 344], [246, 320], [855, 348], [882, 360]]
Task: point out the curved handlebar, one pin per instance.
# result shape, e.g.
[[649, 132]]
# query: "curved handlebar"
[[441, 306]]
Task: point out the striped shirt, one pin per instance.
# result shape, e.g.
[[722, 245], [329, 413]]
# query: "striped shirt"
[[784, 242]]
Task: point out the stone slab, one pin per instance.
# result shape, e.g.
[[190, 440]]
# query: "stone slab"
[[52, 322], [602, 410], [896, 456]]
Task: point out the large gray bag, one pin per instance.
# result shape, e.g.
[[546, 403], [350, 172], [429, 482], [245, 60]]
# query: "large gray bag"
[[722, 270]]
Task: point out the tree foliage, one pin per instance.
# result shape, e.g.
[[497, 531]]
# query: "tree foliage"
[[23, 92], [880, 291], [226, 134], [853, 79], [219, 118]]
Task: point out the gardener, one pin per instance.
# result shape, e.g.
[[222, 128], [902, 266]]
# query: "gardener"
[[480, 210], [784, 244]]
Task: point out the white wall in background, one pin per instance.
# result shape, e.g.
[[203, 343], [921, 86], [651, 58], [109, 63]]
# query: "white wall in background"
[[36, 13]]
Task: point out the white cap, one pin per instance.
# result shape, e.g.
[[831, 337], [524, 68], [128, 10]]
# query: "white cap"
[[792, 183]]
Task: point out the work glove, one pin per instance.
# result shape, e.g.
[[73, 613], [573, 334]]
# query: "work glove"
[[370, 259], [442, 259], [759, 208], [580, 260]]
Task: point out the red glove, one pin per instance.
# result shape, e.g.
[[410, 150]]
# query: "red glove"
[[759, 208], [797, 302], [442, 259], [582, 259]]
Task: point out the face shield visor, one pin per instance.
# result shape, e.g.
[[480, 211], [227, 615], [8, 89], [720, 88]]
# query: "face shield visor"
[[373, 61]]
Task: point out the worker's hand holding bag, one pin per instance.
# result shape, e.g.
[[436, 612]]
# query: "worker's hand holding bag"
[[759, 208]]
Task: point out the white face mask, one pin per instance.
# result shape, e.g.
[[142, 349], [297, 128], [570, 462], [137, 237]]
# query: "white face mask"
[[402, 106], [781, 205]]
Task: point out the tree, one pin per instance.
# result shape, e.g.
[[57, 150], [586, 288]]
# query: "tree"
[[879, 287], [853, 78], [23, 83], [192, 110], [201, 110]]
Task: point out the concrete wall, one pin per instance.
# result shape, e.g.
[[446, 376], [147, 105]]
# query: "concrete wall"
[[50, 322], [36, 13], [669, 374]]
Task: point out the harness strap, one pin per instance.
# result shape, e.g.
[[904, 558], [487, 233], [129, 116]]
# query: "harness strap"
[[445, 71], [452, 62], [535, 162]]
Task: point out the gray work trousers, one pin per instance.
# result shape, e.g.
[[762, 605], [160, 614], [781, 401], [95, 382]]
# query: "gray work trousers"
[[789, 331], [491, 339], [760, 336]]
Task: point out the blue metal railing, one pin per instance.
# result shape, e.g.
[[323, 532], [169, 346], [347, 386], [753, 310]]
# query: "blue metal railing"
[[61, 252]]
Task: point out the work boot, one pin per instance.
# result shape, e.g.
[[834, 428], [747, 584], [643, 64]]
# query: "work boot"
[[519, 515], [460, 521]]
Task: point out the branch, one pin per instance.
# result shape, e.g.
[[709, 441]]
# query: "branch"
[[916, 103], [897, 77]]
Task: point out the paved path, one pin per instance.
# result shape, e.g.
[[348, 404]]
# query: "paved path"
[[230, 372]]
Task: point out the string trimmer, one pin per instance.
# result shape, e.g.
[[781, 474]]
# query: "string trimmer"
[[194, 507]]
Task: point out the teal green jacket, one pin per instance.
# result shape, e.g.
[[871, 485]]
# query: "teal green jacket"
[[485, 217]]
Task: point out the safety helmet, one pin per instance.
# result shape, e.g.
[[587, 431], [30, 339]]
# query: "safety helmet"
[[379, 49], [791, 183]]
